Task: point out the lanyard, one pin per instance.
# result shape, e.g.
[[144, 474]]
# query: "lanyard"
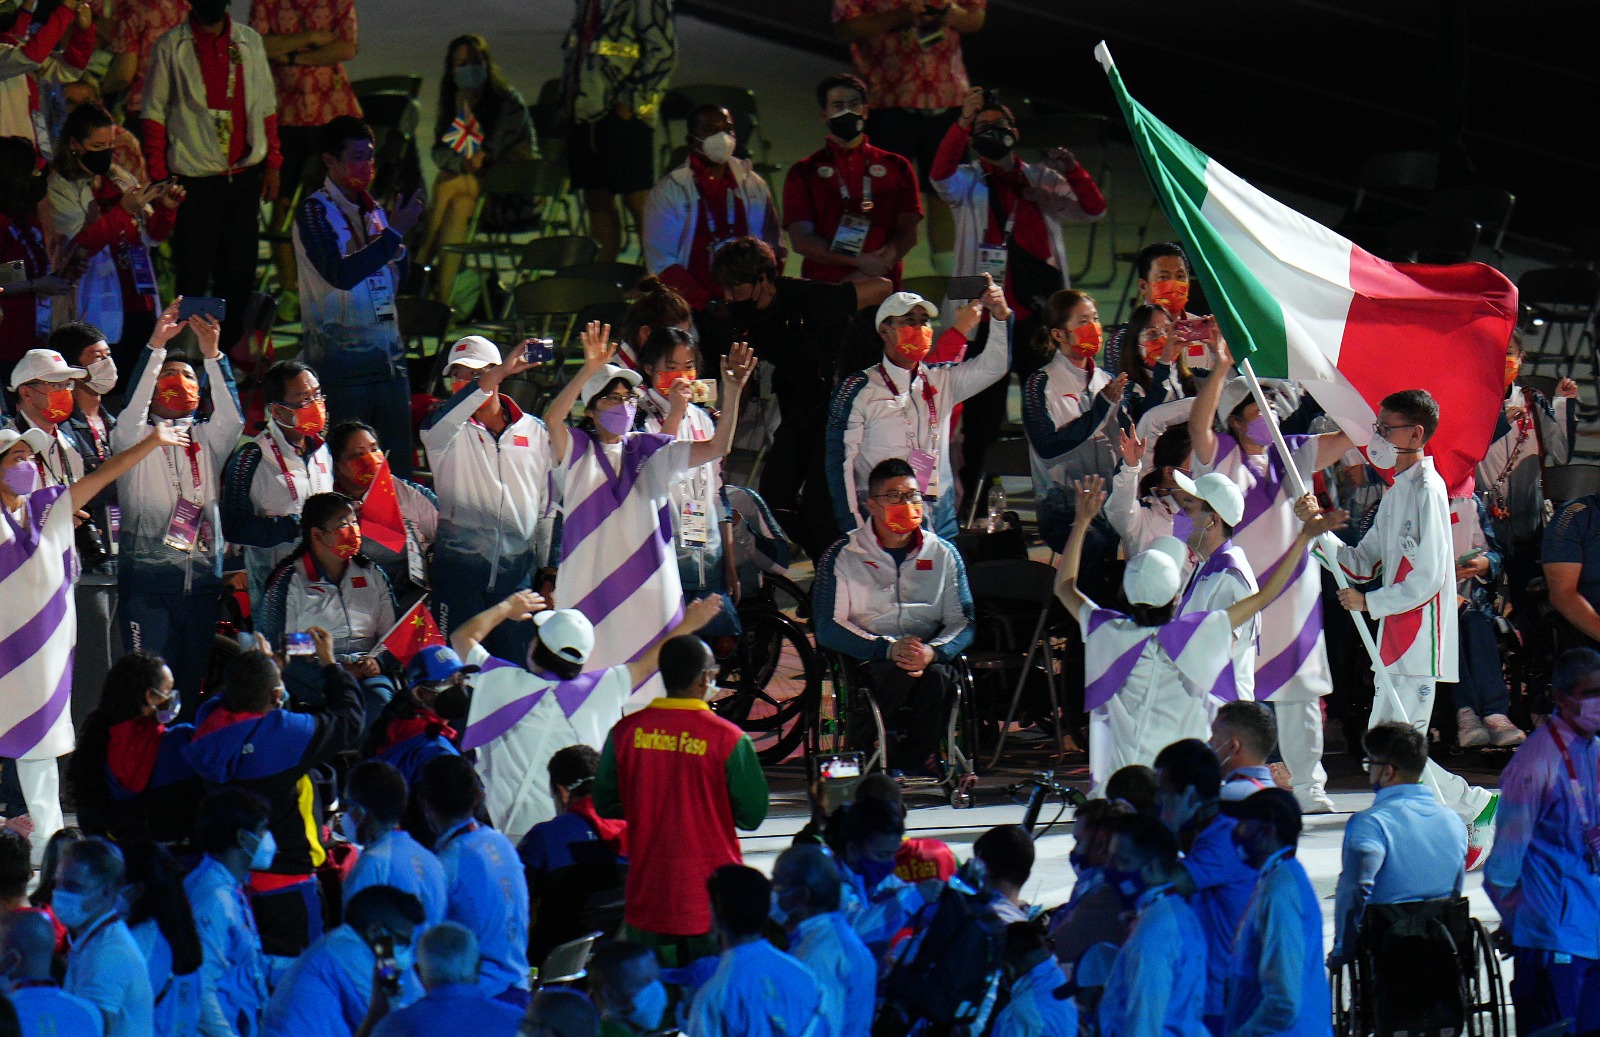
[[283, 466], [866, 186], [709, 226], [450, 836], [1010, 222], [34, 250], [82, 941], [194, 468], [928, 396], [1578, 793]]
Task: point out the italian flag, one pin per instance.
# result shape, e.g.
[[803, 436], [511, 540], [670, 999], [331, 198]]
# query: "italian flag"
[[1303, 303]]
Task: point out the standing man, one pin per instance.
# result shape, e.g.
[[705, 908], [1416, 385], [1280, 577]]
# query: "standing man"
[[684, 778], [210, 117], [1544, 872], [350, 257], [619, 54], [852, 209]]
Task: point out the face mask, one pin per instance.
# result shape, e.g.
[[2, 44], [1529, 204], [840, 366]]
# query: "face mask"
[[914, 342], [1513, 368], [617, 420], [904, 517], [649, 1005], [1259, 431], [70, 908], [1223, 757], [1079, 862], [267, 849], [102, 376], [57, 406], [1381, 453], [96, 163], [718, 147], [1086, 339], [167, 712], [1152, 350], [874, 872], [1171, 296], [847, 126], [1128, 884], [1176, 812], [994, 142], [777, 912], [1243, 853], [309, 420], [177, 394], [346, 541], [405, 957], [209, 12], [1589, 715], [664, 379], [358, 176], [470, 77], [22, 477], [348, 828], [364, 468]]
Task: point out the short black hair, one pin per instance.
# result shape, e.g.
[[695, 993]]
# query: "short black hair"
[[681, 660], [250, 682], [1399, 745], [275, 380], [385, 906], [1022, 941], [573, 767], [380, 790], [744, 260], [1190, 763], [741, 899], [867, 818], [700, 112], [837, 80], [340, 434], [607, 965], [662, 341], [224, 814], [1151, 840], [1135, 785], [1253, 722], [889, 468], [1150, 253], [16, 864], [1275, 807], [1417, 406], [450, 785], [72, 338], [337, 132], [1572, 667], [1007, 852]]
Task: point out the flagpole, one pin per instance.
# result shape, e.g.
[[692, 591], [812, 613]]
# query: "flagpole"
[[1330, 545]]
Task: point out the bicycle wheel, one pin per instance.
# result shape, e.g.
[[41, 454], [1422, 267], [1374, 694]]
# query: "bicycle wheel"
[[771, 682]]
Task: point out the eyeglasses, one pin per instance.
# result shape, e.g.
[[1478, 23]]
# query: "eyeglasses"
[[909, 497], [1367, 763], [617, 400], [1383, 430], [43, 386], [306, 402]]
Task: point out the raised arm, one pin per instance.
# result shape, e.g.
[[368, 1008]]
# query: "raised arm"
[[1091, 494], [1202, 418], [735, 373], [1245, 608], [696, 616], [598, 349], [118, 465], [520, 606]]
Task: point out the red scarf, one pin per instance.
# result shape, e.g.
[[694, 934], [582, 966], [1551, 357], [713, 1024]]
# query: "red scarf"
[[612, 831], [426, 722], [222, 717]]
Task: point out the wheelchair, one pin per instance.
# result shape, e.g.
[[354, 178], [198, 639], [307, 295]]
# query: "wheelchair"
[[1422, 969], [958, 776]]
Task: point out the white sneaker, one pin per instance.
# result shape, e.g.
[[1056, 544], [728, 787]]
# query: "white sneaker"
[[1315, 801], [1503, 734], [1480, 834], [1470, 732]]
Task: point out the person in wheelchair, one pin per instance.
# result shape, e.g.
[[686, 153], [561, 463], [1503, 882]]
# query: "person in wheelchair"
[[892, 598], [1407, 846]]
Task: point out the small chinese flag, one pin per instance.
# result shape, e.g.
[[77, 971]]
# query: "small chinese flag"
[[415, 631], [380, 512]]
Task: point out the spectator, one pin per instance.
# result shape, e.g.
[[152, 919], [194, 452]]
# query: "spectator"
[[413, 728], [1159, 371], [350, 255], [129, 778], [1158, 980], [492, 471], [613, 80], [918, 858], [1276, 980], [703, 204], [28, 306], [261, 502], [796, 326], [126, 149], [1070, 408], [374, 803], [16, 871], [625, 982], [163, 925], [576, 863], [1210, 876], [872, 419], [233, 834], [684, 778], [1543, 875], [657, 306], [1007, 855], [805, 900], [1037, 1007], [210, 117], [485, 889], [1162, 272], [34, 64], [1222, 574], [284, 748], [104, 223], [42, 382], [105, 966], [26, 942], [359, 464], [447, 965], [561, 1013], [757, 989], [614, 565], [1243, 736], [49, 868], [327, 582], [1093, 914], [481, 120], [521, 716], [135, 30], [903, 627], [1135, 786], [1571, 564], [329, 990], [1480, 698], [852, 208], [35, 721], [1142, 506], [865, 845], [909, 53], [1292, 661], [1405, 847], [169, 568], [91, 427]]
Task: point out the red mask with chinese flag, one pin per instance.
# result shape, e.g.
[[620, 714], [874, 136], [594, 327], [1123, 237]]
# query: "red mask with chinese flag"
[[57, 406], [311, 419], [664, 379], [1085, 339], [1513, 368], [177, 394], [1152, 350], [914, 343], [903, 517], [365, 468], [1171, 296], [346, 541]]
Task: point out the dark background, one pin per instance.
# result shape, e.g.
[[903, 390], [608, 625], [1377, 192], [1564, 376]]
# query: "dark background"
[[1298, 93]]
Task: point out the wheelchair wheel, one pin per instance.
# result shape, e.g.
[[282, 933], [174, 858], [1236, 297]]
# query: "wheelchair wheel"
[[771, 682], [1346, 1011], [1487, 1016], [786, 596]]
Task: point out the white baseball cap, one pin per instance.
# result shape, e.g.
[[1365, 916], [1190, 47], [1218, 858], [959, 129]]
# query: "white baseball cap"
[[43, 365], [1173, 548], [902, 303], [474, 352], [1151, 578], [566, 632], [604, 377], [1216, 490], [38, 439]]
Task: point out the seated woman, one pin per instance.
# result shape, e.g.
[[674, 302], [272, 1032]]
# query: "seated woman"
[[1162, 375], [327, 582], [359, 464], [482, 120], [1142, 506]]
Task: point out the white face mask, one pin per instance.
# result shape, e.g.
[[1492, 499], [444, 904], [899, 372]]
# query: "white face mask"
[[718, 147], [266, 850], [1382, 453], [1589, 715], [102, 376]]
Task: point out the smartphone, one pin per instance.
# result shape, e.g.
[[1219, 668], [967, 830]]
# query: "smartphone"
[[1469, 556], [217, 309], [703, 390], [12, 272], [837, 775], [1194, 332], [541, 350], [991, 97], [970, 286], [388, 967], [298, 644]]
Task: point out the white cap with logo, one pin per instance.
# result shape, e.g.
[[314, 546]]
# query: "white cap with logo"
[[44, 365], [473, 352], [604, 377], [901, 303]]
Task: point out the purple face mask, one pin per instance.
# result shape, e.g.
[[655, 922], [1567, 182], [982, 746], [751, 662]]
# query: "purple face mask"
[[23, 476], [1259, 430], [617, 420]]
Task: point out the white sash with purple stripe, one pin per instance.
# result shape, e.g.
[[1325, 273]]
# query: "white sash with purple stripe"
[[1194, 647], [38, 627]]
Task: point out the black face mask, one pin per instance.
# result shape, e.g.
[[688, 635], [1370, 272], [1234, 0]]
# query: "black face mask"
[[209, 12], [98, 163], [994, 142], [847, 126]]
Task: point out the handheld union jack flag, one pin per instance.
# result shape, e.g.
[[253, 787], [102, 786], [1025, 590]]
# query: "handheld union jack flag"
[[465, 136]]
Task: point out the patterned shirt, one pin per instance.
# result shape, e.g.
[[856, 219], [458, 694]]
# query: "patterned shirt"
[[899, 71], [139, 25], [307, 95]]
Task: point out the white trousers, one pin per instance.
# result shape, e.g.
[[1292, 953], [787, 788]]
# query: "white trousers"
[[1416, 698], [41, 790], [1300, 744]]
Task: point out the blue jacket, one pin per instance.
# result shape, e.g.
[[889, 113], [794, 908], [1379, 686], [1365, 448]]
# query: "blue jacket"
[[1277, 984], [459, 1008], [488, 893], [1158, 982], [1223, 885], [844, 969], [758, 991], [395, 859], [1034, 1010]]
